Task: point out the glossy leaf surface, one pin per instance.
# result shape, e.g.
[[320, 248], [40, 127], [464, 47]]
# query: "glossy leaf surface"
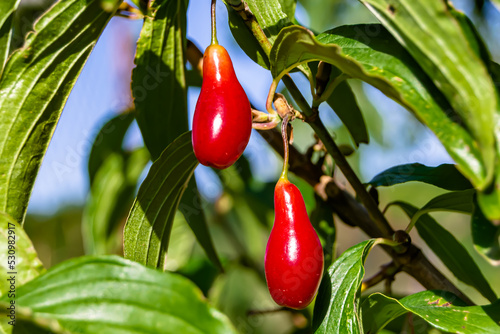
[[337, 306], [441, 309], [457, 201], [7, 10], [270, 16], [34, 87], [370, 53], [451, 252], [288, 7], [444, 176], [113, 295], [159, 78], [486, 237], [147, 231], [160, 97], [433, 36]]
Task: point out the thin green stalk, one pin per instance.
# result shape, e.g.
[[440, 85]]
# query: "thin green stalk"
[[319, 127], [270, 96], [284, 134], [214, 25]]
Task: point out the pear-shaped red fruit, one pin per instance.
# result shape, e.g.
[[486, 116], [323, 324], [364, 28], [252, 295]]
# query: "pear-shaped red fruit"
[[294, 257], [222, 120]]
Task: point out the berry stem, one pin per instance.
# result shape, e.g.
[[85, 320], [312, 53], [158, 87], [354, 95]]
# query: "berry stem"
[[286, 150], [214, 26], [270, 97]]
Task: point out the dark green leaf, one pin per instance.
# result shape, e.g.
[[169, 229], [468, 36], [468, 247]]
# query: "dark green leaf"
[[191, 208], [271, 18], [110, 199], [370, 53], [435, 39], [109, 140], [141, 4], [441, 309], [486, 237], [158, 80], [457, 201], [451, 252], [148, 226], [444, 176], [337, 305], [193, 78], [160, 96], [33, 90], [489, 198], [20, 258], [245, 38], [112, 295], [344, 103], [322, 220], [7, 10]]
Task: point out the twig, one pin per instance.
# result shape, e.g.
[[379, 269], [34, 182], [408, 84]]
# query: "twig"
[[387, 272], [351, 211]]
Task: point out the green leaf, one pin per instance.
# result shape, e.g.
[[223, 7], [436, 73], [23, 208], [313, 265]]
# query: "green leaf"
[[435, 39], [193, 78], [270, 15], [191, 208], [288, 7], [370, 53], [324, 224], [486, 237], [7, 10], [160, 96], [33, 90], [472, 35], [245, 38], [17, 255], [110, 199], [444, 176], [113, 295], [337, 305], [141, 4], [441, 309], [109, 140], [451, 252], [148, 226], [159, 78], [457, 201], [490, 201], [344, 103]]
